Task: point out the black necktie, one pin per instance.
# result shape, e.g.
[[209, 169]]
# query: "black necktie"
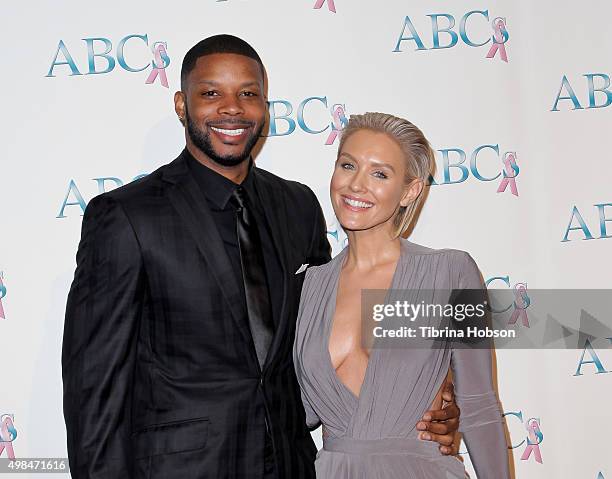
[[253, 275]]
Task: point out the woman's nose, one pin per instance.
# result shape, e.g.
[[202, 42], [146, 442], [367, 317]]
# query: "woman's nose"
[[357, 182]]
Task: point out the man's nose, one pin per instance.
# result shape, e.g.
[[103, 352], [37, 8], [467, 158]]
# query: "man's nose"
[[231, 106]]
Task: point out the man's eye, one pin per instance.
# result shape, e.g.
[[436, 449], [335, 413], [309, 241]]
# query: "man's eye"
[[380, 174], [209, 93], [248, 93]]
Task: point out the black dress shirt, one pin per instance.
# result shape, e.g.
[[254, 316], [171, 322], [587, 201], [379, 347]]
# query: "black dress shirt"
[[218, 190]]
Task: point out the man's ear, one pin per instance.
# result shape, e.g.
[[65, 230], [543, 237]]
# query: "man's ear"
[[412, 192], [179, 106], [264, 85]]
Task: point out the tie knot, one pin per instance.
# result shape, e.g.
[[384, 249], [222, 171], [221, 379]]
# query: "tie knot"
[[239, 198]]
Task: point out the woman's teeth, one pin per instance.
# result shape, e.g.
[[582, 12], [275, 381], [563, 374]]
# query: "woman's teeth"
[[236, 132], [357, 204]]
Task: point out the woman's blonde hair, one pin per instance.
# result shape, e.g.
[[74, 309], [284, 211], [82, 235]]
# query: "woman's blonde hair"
[[419, 156]]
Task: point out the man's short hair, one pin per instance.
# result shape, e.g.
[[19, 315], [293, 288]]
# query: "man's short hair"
[[216, 44]]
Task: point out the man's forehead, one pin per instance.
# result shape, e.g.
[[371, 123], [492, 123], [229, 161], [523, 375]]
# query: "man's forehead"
[[215, 83], [215, 59], [247, 70]]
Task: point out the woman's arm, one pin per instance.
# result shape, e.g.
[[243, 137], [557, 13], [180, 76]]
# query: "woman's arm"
[[481, 416], [311, 418]]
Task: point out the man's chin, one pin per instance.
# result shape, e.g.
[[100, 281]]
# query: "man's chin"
[[223, 156], [230, 155], [227, 155], [229, 159]]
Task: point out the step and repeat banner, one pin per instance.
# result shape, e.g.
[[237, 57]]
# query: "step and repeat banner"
[[514, 96]]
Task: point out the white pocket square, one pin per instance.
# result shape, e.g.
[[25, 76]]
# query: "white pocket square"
[[302, 268]]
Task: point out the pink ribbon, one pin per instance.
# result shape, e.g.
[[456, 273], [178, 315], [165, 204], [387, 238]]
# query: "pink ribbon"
[[509, 174], [533, 445], [337, 125], [520, 293], [2, 291], [158, 70], [498, 41], [330, 5], [6, 438]]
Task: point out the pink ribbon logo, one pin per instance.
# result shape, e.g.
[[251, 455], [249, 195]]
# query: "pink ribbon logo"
[[500, 37], [330, 5], [338, 122], [8, 433], [521, 304], [2, 295], [511, 171], [534, 439], [159, 64]]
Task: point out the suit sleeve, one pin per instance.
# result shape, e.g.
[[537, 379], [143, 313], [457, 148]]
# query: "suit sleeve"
[[320, 249], [98, 351], [481, 416]]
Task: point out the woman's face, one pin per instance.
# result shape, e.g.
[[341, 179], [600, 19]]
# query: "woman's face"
[[367, 187]]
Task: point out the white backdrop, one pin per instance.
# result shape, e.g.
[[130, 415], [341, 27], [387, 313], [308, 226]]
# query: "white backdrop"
[[549, 103]]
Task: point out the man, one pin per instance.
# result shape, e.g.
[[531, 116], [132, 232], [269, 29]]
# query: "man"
[[180, 320]]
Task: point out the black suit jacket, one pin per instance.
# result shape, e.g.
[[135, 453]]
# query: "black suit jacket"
[[161, 379]]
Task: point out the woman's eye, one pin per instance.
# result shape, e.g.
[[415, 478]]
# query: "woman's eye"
[[347, 166], [381, 175]]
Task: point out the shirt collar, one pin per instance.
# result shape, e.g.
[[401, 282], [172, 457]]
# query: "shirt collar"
[[216, 187]]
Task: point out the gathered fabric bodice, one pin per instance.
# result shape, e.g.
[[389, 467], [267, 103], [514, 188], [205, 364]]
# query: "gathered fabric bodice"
[[374, 434]]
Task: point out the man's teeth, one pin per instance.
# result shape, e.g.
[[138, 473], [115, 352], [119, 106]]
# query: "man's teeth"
[[236, 132], [357, 204]]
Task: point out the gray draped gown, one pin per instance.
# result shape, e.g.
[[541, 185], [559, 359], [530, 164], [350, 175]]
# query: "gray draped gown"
[[374, 436]]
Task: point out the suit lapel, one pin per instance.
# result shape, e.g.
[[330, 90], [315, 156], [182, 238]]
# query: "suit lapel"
[[190, 203], [274, 206]]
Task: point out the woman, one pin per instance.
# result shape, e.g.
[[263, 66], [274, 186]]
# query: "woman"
[[368, 400]]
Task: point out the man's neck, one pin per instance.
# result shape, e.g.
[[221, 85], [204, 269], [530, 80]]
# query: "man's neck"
[[236, 174]]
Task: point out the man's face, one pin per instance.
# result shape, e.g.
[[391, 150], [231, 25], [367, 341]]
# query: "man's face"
[[224, 106]]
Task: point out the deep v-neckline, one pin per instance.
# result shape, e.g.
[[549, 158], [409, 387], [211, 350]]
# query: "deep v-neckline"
[[330, 323]]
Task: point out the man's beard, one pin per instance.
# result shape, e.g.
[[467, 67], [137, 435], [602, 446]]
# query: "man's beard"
[[201, 139]]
